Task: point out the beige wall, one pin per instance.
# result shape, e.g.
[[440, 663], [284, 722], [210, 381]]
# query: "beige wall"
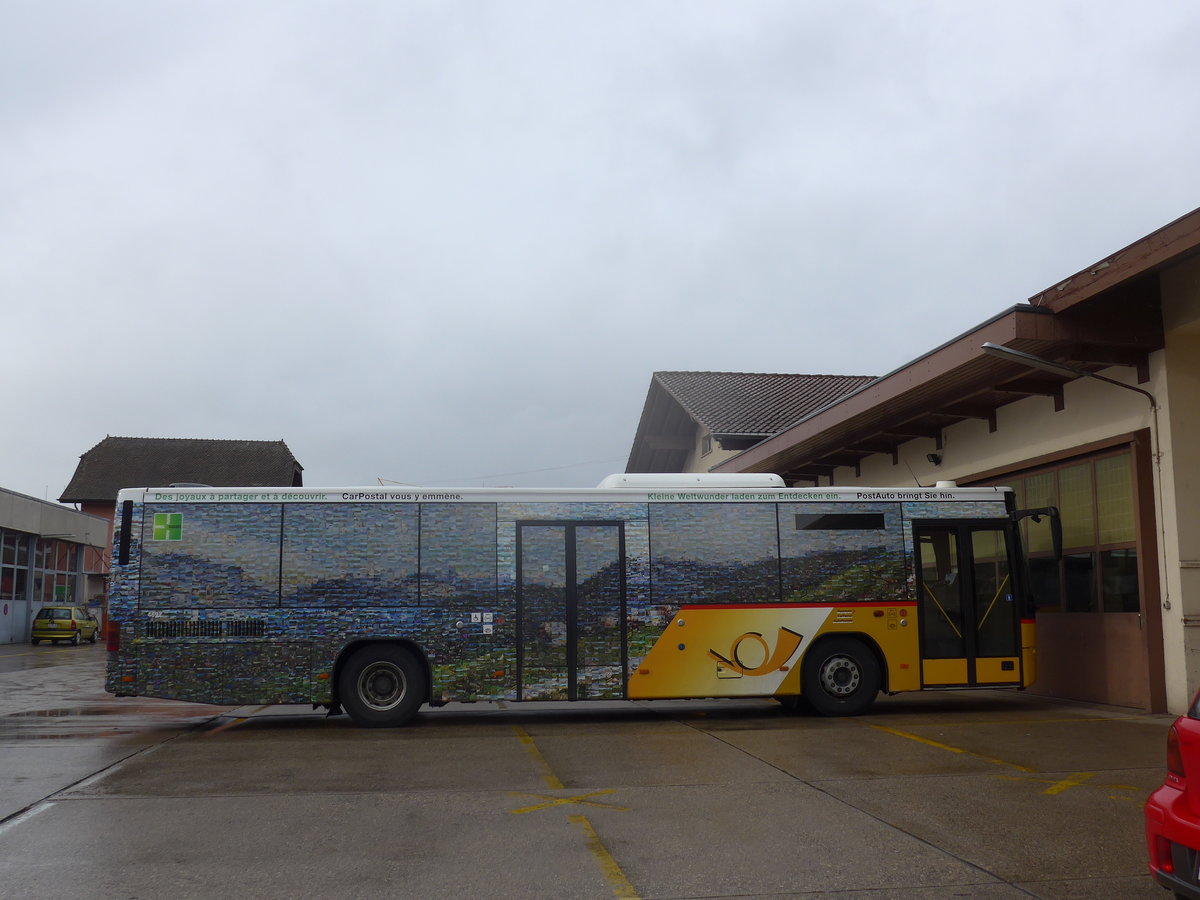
[[1180, 425], [1025, 430], [1111, 650], [1094, 412], [698, 461]]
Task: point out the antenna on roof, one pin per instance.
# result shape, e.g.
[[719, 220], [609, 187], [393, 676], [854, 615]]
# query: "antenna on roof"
[[914, 475]]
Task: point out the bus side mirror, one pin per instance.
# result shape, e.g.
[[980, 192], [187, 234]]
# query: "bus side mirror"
[[1051, 512]]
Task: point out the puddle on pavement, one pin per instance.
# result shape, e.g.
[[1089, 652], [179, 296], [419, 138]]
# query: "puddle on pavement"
[[103, 721], [51, 713], [74, 734]]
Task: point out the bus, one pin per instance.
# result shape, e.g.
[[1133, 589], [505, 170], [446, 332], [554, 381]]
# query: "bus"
[[375, 601]]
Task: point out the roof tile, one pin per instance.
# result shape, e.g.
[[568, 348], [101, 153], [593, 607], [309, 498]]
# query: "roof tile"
[[752, 403], [119, 462]]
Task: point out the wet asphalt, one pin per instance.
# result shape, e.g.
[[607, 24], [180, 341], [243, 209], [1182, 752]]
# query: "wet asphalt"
[[940, 795]]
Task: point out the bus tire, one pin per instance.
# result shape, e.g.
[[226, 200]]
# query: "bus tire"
[[381, 686], [840, 677]]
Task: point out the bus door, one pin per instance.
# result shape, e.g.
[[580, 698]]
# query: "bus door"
[[970, 620], [571, 610]]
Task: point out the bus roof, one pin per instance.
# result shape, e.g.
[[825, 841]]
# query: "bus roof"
[[646, 480], [660, 491]]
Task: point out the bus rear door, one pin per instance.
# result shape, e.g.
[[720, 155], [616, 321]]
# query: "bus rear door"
[[571, 610], [970, 611]]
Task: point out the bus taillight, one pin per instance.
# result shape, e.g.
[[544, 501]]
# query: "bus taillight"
[[113, 637]]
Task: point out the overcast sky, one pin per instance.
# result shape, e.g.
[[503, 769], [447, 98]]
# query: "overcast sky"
[[449, 242]]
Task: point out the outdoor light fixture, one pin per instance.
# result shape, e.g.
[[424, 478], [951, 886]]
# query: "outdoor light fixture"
[[1048, 365], [935, 458]]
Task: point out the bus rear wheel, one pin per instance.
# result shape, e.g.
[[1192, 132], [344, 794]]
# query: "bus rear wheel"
[[381, 686], [840, 677]]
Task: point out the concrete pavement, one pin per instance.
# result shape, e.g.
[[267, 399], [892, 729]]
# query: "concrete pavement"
[[939, 795]]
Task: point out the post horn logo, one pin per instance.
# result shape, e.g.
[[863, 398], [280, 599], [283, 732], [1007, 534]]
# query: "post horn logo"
[[744, 659]]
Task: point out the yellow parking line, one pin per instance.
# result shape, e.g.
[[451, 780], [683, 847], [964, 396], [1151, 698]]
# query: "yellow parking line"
[[621, 886], [1082, 779], [1066, 720], [940, 746], [583, 799], [1071, 781], [535, 754]]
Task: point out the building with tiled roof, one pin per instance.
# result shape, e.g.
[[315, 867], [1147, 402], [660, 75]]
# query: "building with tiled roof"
[[120, 462], [692, 421], [1085, 398]]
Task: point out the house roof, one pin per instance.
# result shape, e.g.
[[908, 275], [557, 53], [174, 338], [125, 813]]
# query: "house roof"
[[747, 405], [751, 403], [1107, 314], [120, 462]]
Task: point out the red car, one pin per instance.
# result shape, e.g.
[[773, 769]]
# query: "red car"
[[1173, 811]]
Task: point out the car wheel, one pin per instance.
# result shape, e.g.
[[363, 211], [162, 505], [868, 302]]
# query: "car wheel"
[[840, 677], [92, 639], [75, 639], [34, 641], [381, 686]]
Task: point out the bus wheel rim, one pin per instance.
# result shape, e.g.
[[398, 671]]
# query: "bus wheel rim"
[[382, 686], [840, 676]]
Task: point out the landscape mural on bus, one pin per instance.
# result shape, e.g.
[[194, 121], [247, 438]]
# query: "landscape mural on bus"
[[281, 588], [833, 554]]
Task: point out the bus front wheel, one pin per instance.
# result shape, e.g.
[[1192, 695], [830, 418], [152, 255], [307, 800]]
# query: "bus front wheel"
[[381, 686], [840, 677]]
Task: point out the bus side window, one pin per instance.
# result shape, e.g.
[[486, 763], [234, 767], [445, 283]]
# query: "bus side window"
[[841, 553], [940, 600], [714, 553], [208, 555], [458, 555], [995, 611], [353, 554]]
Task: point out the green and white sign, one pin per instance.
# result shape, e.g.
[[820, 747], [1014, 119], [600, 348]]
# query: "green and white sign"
[[168, 526]]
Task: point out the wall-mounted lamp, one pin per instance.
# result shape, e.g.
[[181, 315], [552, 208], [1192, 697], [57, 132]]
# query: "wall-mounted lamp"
[[935, 458]]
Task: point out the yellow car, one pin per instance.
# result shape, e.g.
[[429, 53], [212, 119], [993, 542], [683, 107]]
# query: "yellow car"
[[63, 623]]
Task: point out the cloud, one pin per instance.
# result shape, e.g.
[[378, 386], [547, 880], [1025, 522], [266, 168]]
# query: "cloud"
[[428, 241]]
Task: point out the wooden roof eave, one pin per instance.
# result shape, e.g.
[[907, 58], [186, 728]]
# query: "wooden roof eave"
[[947, 384], [662, 430]]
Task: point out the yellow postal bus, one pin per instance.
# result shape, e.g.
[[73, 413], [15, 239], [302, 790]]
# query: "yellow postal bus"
[[378, 600]]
